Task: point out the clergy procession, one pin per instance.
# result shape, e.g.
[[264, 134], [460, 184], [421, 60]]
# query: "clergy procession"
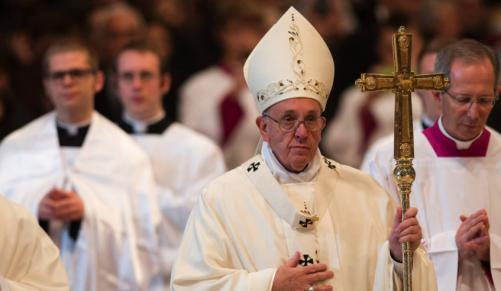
[[250, 145], [454, 161]]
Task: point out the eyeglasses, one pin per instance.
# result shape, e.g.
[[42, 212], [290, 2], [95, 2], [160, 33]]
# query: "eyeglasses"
[[75, 74], [288, 124], [144, 76], [464, 100]]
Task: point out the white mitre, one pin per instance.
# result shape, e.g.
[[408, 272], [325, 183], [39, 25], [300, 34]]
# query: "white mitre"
[[291, 60]]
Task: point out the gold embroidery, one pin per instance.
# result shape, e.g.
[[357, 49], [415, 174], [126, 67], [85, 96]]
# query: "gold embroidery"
[[300, 83]]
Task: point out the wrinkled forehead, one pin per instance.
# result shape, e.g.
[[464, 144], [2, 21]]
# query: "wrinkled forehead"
[[298, 105], [475, 68]]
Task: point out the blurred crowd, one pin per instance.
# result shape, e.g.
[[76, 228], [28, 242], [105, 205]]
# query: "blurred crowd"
[[198, 34]]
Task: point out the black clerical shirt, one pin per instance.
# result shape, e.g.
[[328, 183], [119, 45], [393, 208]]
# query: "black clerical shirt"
[[69, 139], [158, 127]]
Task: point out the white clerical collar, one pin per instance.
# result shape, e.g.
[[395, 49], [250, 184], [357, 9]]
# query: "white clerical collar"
[[72, 128], [141, 126], [460, 144], [284, 176]]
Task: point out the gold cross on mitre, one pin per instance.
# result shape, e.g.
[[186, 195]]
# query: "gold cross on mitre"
[[403, 82]]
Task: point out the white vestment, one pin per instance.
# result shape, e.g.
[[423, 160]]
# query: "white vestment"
[[183, 162], [381, 143], [246, 225], [201, 97], [445, 188], [117, 245], [344, 138], [29, 261]]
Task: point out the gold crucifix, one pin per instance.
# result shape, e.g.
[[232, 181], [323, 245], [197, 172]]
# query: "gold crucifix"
[[403, 82]]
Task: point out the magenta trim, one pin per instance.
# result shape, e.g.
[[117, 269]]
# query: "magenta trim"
[[445, 147]]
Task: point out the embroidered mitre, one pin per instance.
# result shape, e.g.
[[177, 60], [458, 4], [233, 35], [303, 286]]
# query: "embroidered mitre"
[[291, 60]]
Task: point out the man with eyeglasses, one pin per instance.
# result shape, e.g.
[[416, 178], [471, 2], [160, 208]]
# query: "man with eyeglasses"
[[91, 187], [183, 160], [457, 163], [289, 218]]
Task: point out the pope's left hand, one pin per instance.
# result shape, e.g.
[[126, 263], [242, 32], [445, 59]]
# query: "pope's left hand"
[[407, 230]]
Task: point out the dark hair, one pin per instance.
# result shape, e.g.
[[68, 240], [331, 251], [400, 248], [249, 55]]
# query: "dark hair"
[[64, 45], [469, 51], [143, 46], [433, 46]]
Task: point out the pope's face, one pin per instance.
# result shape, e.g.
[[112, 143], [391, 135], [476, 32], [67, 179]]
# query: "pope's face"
[[71, 82], [465, 121], [140, 83], [294, 149]]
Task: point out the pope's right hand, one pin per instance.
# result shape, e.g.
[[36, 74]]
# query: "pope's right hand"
[[290, 277]]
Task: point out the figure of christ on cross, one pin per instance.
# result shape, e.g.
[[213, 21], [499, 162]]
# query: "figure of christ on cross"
[[403, 82]]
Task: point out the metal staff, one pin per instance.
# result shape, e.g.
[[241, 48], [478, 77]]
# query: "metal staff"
[[402, 83]]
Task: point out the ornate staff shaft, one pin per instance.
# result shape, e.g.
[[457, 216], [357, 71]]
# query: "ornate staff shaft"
[[404, 174]]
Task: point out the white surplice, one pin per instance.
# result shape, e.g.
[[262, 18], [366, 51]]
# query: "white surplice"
[[29, 261], [200, 99], [249, 221], [184, 162], [444, 189], [381, 144], [117, 245]]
